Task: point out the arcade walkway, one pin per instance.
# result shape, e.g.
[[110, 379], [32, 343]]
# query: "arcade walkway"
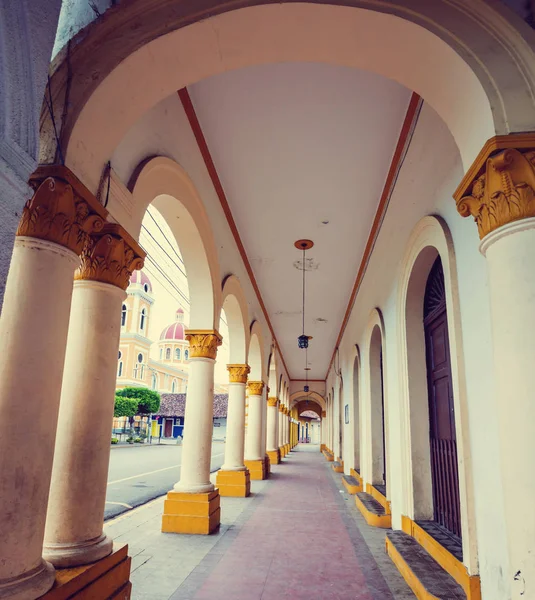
[[298, 535]]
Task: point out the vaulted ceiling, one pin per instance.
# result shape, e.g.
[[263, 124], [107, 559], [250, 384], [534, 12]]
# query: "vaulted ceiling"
[[302, 151]]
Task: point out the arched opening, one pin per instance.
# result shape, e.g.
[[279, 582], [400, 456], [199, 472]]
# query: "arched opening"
[[173, 386], [341, 420], [377, 412], [142, 320], [154, 382], [356, 415], [123, 316], [177, 353], [168, 354], [442, 432]]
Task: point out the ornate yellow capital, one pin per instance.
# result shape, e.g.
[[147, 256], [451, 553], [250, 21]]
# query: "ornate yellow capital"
[[272, 401], [238, 373], [203, 343], [499, 188], [62, 210], [255, 388], [323, 413], [110, 256], [281, 407]]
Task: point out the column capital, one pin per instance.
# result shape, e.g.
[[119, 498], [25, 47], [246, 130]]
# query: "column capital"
[[62, 210], [238, 373], [110, 256], [255, 388], [203, 343], [281, 407], [323, 413], [499, 187], [272, 401]]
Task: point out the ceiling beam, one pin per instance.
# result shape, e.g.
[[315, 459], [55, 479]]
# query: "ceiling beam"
[[196, 128], [405, 135]]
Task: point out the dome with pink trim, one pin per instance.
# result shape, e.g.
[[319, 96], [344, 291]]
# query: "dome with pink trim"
[[141, 279], [175, 331]]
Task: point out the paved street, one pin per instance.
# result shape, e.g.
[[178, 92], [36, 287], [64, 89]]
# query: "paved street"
[[140, 473]]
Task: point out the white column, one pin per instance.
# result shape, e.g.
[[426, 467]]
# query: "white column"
[[33, 334], [510, 252], [235, 441], [254, 421], [74, 526], [279, 427], [198, 418], [272, 411]]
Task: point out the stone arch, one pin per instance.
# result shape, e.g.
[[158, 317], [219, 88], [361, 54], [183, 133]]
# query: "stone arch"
[[429, 239], [355, 407], [300, 395], [304, 405], [234, 303], [482, 49], [376, 400], [164, 184], [256, 353]]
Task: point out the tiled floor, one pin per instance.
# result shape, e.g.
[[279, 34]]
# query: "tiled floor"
[[298, 536]]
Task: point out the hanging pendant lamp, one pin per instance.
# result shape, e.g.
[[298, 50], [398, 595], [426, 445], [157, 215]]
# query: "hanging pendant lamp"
[[304, 245]]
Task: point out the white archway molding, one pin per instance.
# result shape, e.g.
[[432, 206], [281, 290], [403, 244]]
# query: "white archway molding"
[[300, 395], [471, 61], [352, 381], [429, 239], [234, 304], [164, 183], [257, 360], [374, 420]]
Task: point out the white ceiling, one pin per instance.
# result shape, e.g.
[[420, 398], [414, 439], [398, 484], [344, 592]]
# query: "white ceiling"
[[297, 144]]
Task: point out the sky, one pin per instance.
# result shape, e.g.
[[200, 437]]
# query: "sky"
[[167, 272]]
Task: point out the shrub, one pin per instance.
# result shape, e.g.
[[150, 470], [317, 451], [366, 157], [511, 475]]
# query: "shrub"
[[124, 406], [138, 440], [114, 441], [148, 400], [130, 440]]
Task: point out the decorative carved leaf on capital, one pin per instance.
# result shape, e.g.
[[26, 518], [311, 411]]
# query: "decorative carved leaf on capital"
[[61, 209], [281, 407], [502, 192], [272, 401], [203, 343], [238, 373], [255, 388], [110, 256]]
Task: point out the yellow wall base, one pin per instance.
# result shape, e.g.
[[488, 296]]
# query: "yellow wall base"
[[107, 579], [351, 489], [382, 521], [274, 456], [338, 469], [257, 469], [357, 476], [267, 466], [191, 513], [235, 484], [470, 583], [282, 451]]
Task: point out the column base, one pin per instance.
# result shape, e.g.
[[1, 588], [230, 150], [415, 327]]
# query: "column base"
[[287, 448], [29, 585], [267, 465], [235, 484], [184, 512], [78, 553], [274, 456], [282, 452], [257, 469], [106, 579]]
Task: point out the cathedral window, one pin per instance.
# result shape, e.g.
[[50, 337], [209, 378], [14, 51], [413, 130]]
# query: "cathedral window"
[[186, 355], [142, 320], [123, 315], [161, 353], [177, 353], [120, 370], [173, 387], [168, 354]]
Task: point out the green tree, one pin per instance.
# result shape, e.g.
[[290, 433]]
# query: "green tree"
[[148, 400], [125, 407]]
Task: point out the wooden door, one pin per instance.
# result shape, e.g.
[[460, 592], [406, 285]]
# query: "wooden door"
[[443, 442], [168, 428]]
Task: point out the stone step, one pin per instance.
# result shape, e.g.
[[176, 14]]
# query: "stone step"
[[337, 467], [351, 484], [374, 512], [423, 574]]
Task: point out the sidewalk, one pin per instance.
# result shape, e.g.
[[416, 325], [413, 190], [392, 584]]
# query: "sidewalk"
[[298, 535]]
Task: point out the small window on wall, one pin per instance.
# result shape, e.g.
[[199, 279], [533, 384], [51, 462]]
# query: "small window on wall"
[[168, 354], [186, 354], [123, 315], [154, 382], [161, 353], [146, 288], [120, 355], [120, 370], [173, 387], [140, 358], [142, 320], [177, 353]]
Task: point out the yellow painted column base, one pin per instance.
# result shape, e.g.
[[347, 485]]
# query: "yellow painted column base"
[[257, 469], [191, 513], [274, 456], [235, 484], [338, 468], [282, 452], [108, 578]]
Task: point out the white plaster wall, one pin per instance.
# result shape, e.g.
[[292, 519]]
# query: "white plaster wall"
[[431, 172], [165, 131]]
